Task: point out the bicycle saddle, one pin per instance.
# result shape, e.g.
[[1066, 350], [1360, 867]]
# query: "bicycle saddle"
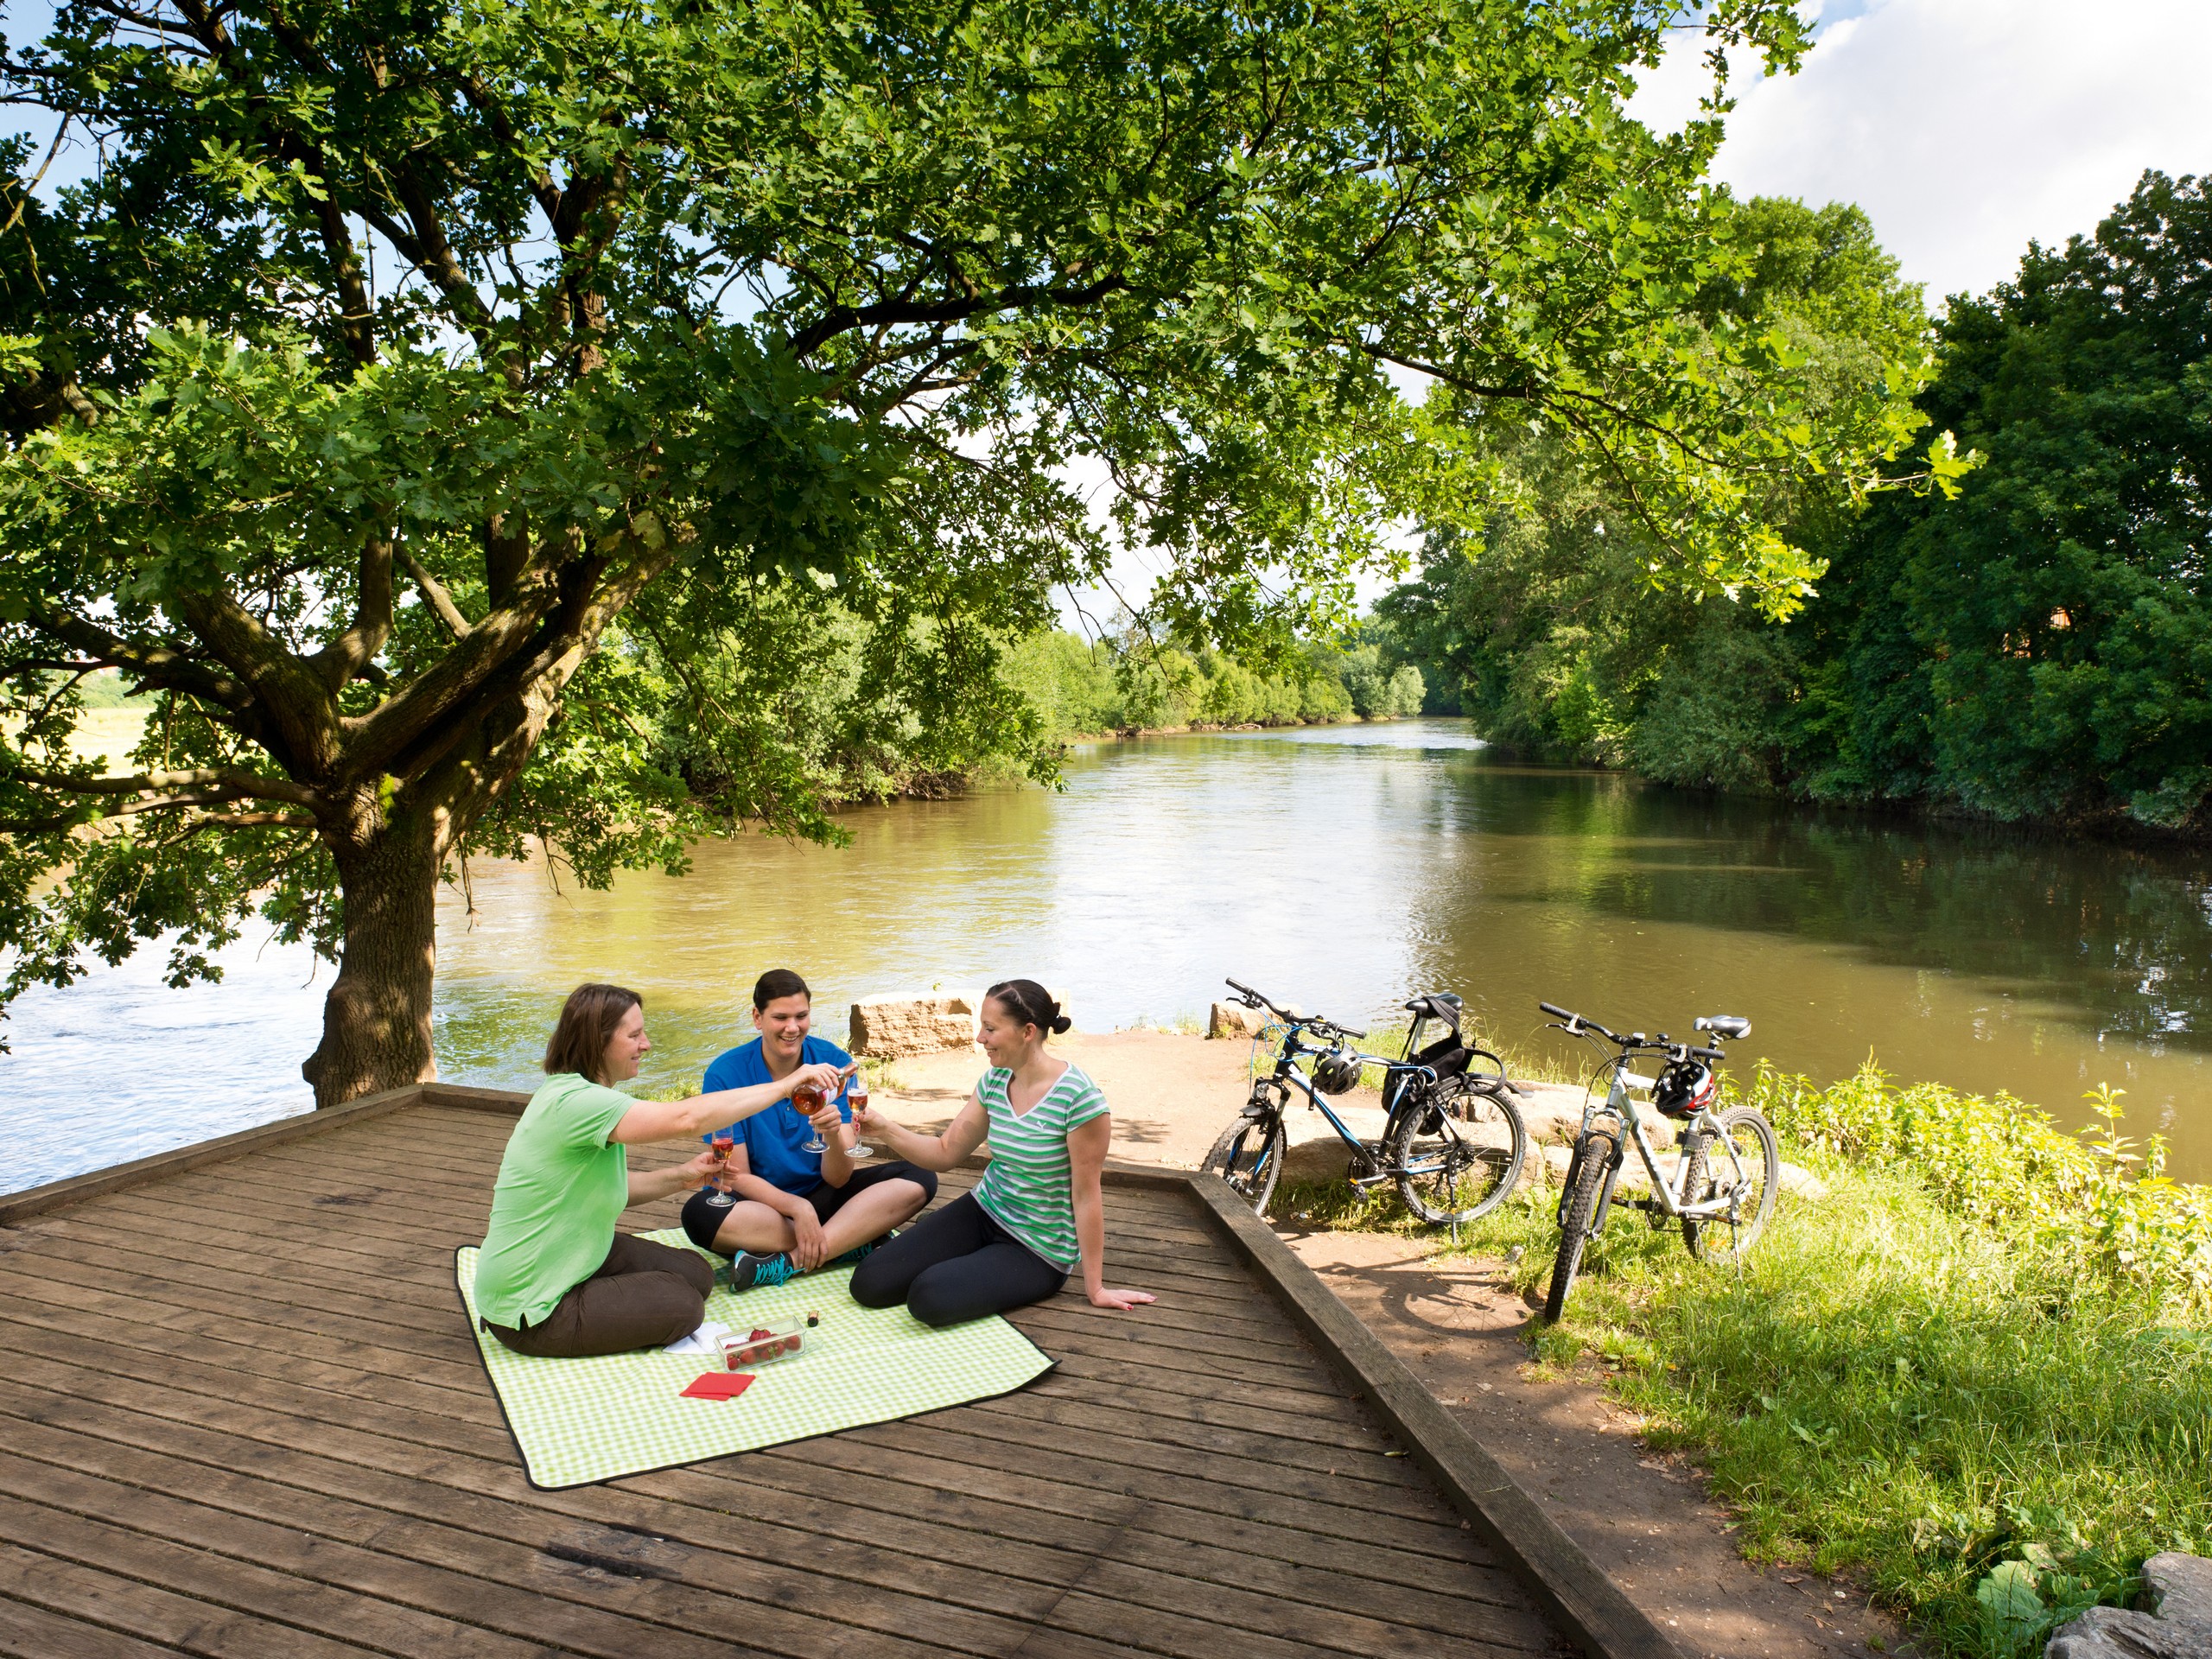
[[1436, 1005], [1731, 1025]]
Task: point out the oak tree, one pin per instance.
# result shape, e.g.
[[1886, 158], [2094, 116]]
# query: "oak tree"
[[406, 368]]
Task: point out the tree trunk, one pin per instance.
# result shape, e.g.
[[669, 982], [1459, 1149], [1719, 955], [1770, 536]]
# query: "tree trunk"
[[376, 1021]]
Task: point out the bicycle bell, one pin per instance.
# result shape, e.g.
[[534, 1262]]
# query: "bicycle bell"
[[1336, 1072]]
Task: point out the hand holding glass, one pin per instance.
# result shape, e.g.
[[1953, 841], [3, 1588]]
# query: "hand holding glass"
[[857, 1103], [806, 1101]]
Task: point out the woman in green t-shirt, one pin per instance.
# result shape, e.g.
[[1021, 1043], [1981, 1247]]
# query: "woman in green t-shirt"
[[554, 1278], [1038, 1212]]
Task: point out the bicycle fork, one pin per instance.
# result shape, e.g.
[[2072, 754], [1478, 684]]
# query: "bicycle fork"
[[1606, 1143]]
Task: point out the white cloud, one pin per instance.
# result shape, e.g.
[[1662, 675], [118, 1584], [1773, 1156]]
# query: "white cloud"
[[1966, 127]]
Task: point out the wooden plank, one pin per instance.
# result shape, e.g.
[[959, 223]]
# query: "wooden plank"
[[723, 1527], [115, 1601], [33, 1201], [204, 1423], [105, 1525], [1565, 1582], [1147, 1576], [569, 1592], [27, 1632], [315, 1616], [459, 1097]]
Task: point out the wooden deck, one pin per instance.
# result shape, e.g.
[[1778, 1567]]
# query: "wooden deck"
[[240, 1415]]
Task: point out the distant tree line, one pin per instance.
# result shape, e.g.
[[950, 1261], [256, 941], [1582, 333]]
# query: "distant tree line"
[[2037, 648]]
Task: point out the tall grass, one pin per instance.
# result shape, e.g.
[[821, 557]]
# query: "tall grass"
[[1977, 1376]]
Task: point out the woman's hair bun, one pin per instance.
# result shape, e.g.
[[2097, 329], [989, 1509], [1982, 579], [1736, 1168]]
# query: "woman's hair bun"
[[1031, 1003]]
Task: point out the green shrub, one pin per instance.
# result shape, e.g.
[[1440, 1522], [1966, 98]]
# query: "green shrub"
[[2072, 1204]]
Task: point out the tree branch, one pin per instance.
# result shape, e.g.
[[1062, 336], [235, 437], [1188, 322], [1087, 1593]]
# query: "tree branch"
[[161, 666], [1020, 296], [346, 656], [435, 595], [235, 783]]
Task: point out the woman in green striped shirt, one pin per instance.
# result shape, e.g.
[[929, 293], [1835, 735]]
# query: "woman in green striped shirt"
[[1036, 1213]]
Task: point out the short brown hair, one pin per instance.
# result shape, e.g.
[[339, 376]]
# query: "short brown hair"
[[778, 983], [588, 1024]]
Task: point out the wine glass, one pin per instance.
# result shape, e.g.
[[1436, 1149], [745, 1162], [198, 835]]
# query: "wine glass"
[[856, 1102], [724, 1142], [806, 1101]]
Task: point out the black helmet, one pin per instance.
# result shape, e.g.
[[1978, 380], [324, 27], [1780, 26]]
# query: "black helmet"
[[1684, 1089], [1336, 1072]]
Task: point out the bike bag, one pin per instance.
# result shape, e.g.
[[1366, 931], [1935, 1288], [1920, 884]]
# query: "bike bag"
[[1447, 1056]]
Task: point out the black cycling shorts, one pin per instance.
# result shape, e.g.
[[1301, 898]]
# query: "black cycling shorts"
[[704, 1209]]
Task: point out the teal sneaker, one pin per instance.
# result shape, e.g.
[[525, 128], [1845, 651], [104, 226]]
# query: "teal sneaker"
[[854, 1255], [748, 1272]]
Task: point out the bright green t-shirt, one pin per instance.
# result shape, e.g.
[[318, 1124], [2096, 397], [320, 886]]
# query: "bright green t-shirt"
[[561, 1187]]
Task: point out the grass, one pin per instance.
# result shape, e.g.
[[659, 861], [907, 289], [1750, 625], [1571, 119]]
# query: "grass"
[[1977, 1376]]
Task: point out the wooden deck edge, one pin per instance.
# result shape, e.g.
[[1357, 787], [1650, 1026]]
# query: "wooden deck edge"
[[36, 1200], [1554, 1569], [461, 1097]]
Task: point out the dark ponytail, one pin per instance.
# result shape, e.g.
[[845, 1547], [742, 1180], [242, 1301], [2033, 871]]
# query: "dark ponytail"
[[1031, 1003]]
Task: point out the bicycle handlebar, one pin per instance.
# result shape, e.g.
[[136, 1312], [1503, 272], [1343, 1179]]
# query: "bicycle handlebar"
[[1310, 1021], [1577, 1024]]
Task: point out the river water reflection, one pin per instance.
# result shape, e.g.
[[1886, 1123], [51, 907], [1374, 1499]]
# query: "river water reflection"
[[1341, 868]]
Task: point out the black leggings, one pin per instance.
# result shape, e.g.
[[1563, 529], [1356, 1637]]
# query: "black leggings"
[[955, 1265]]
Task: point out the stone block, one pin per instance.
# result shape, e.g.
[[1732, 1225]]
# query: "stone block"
[[1234, 1021], [2176, 1623], [897, 1023]]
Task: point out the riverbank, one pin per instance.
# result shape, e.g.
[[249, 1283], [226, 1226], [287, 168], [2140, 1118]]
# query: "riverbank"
[[1971, 1383]]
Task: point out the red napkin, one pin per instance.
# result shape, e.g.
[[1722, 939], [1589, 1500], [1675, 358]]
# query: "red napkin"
[[719, 1385]]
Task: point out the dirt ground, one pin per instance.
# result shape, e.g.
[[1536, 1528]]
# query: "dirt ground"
[[1647, 1520]]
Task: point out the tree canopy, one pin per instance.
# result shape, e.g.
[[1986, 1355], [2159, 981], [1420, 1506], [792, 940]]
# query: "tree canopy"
[[420, 389], [2038, 646]]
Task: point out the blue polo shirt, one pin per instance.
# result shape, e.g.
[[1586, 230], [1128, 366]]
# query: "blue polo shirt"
[[772, 1139]]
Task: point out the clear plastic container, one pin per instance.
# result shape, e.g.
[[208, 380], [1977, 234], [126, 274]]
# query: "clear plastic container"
[[780, 1339]]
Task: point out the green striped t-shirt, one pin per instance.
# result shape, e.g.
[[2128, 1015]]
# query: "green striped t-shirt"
[[1025, 1188]]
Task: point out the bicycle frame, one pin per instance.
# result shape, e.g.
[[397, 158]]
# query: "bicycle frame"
[[1669, 1200], [1286, 1072]]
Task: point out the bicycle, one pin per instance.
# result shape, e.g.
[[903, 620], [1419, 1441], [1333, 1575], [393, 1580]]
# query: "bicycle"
[[1706, 1196], [1446, 1173]]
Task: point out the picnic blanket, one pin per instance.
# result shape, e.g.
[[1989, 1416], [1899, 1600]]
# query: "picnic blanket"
[[579, 1421]]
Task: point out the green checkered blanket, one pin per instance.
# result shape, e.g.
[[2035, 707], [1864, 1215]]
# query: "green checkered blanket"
[[578, 1420]]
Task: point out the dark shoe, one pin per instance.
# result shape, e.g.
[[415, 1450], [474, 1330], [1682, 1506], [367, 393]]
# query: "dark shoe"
[[747, 1271], [854, 1255]]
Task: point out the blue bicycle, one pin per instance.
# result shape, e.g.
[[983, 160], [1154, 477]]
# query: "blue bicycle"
[[1453, 1139]]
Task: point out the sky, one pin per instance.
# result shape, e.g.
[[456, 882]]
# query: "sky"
[[1967, 127]]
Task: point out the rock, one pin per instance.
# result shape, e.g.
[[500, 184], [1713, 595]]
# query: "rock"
[[2177, 1622], [1802, 1183], [1233, 1020], [899, 1023]]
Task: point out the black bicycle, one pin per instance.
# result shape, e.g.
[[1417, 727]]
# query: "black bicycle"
[[1723, 1186], [1453, 1139]]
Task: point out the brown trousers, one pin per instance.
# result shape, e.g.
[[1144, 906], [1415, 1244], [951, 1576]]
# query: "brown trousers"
[[645, 1295]]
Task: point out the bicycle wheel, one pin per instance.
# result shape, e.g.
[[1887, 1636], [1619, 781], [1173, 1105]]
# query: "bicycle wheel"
[[1587, 1178], [1461, 1155], [1248, 1156], [1712, 1175]]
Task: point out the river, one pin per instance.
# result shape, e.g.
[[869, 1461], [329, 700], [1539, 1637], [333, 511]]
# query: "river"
[[1342, 867]]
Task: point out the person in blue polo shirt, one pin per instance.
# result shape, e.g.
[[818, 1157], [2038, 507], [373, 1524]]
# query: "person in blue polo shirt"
[[779, 1209]]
